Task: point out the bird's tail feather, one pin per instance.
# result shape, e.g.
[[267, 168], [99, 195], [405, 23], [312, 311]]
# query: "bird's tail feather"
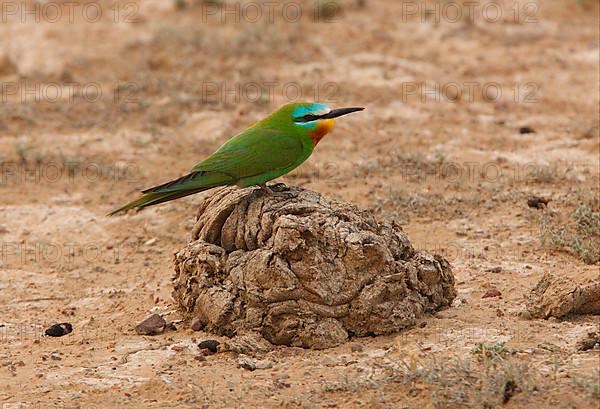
[[189, 184], [151, 199], [177, 184]]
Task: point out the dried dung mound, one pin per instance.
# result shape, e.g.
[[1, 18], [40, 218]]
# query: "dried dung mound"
[[302, 270], [561, 296]]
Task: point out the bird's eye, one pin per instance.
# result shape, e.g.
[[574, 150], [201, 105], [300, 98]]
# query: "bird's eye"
[[307, 118]]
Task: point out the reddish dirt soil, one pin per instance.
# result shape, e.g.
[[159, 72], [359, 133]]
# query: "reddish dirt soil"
[[455, 170]]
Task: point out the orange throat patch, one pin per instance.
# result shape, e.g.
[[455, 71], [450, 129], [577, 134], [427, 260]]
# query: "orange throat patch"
[[323, 128]]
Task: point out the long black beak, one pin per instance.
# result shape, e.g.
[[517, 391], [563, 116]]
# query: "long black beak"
[[339, 112]]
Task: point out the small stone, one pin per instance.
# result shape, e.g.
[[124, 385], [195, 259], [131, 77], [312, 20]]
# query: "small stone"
[[210, 345], [252, 364], [153, 325], [492, 292], [247, 363], [458, 301], [58, 330], [526, 130], [537, 202], [197, 325], [200, 358], [495, 270], [499, 313]]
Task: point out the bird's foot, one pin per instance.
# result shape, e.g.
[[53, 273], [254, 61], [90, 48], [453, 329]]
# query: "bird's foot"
[[266, 189]]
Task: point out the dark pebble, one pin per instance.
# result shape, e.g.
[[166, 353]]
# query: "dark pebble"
[[525, 130], [58, 330], [492, 292], [153, 325], [210, 345], [197, 325], [537, 202]]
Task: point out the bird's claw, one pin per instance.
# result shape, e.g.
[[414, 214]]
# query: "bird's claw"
[[266, 189]]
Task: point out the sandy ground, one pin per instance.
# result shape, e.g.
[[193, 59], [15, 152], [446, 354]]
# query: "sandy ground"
[[438, 149]]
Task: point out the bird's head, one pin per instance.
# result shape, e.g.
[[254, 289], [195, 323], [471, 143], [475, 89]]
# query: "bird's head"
[[316, 118]]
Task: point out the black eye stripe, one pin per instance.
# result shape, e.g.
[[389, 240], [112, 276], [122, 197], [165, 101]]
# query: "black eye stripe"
[[307, 118]]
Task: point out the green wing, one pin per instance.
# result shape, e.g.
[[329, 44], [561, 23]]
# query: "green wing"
[[254, 152]]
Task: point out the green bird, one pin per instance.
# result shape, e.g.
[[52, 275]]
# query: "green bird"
[[267, 150]]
